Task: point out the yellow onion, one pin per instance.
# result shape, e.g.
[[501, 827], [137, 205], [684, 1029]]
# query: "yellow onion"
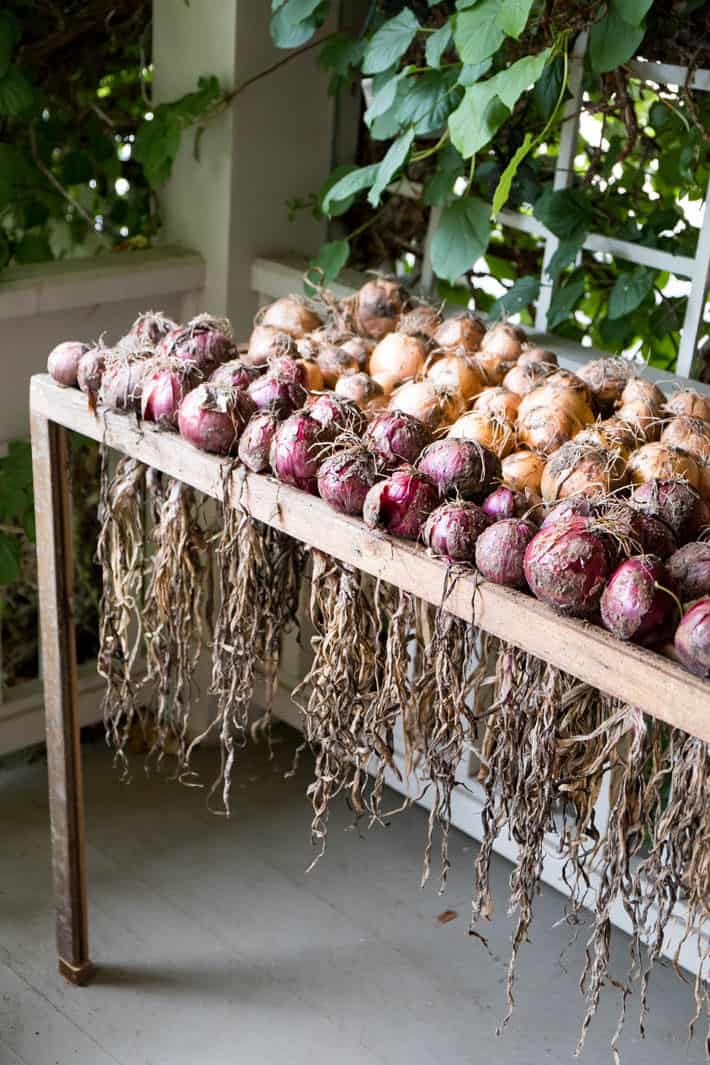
[[361, 389], [334, 362], [640, 389], [487, 429], [692, 436], [424, 400], [581, 470], [549, 417], [524, 377], [554, 395], [459, 373], [565, 380], [461, 334], [690, 402], [643, 417], [606, 379], [534, 354], [611, 433], [360, 348], [498, 401], [399, 356], [523, 471], [291, 315], [377, 307], [505, 340], [313, 381], [422, 321], [387, 382], [657, 461], [267, 342]]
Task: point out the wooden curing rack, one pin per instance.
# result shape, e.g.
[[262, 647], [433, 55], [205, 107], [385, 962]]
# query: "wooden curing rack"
[[645, 679]]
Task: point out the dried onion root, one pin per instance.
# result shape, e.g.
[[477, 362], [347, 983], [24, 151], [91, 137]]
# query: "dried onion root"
[[120, 553], [173, 612]]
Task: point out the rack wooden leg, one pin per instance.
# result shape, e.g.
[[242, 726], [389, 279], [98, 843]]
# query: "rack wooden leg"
[[50, 462]]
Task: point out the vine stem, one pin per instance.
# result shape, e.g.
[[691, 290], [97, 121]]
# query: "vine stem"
[[56, 184]]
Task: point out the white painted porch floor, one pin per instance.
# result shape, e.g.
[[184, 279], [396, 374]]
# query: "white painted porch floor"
[[214, 946]]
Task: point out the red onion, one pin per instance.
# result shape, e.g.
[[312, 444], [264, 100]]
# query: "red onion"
[[272, 391], [122, 382], [289, 369], [397, 438], [337, 413], [566, 566], [345, 478], [579, 506], [150, 327], [639, 601], [689, 567], [676, 503], [500, 551], [654, 536], [402, 503], [460, 467], [213, 418], [504, 502], [162, 393], [205, 342], [453, 529], [255, 441], [90, 371], [692, 638], [295, 454], [63, 362], [234, 374]]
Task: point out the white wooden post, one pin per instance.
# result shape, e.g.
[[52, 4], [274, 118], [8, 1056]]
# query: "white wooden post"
[[274, 143]]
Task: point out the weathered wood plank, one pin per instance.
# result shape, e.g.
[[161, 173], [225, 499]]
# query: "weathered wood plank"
[[50, 462], [646, 679]]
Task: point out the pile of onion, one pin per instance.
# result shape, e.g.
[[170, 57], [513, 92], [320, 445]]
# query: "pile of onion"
[[692, 638], [486, 429], [658, 461], [401, 503], [397, 439], [581, 469], [500, 551], [345, 478], [213, 418], [297, 451], [255, 441], [567, 565], [689, 568], [63, 362], [451, 531], [460, 468], [459, 335], [291, 315], [523, 471], [424, 400], [639, 602]]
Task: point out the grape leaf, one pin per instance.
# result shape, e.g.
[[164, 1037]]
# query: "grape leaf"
[[394, 159], [524, 291], [437, 43], [390, 42], [630, 289], [613, 41], [513, 16], [477, 33], [477, 118], [500, 197], [564, 299], [460, 238], [348, 186]]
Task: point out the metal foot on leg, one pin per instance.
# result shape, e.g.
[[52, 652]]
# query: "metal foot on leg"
[[81, 975]]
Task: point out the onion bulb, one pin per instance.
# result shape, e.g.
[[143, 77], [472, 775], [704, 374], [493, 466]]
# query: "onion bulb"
[[690, 402], [660, 462], [377, 307], [399, 356], [451, 531], [675, 503], [205, 342], [163, 391], [566, 566], [606, 379], [291, 315], [692, 437], [689, 567], [457, 373], [639, 602], [213, 418], [277, 391], [499, 402], [334, 412], [396, 438], [296, 451], [523, 470], [359, 348], [90, 372], [539, 355], [63, 362], [422, 321], [362, 390], [493, 433], [500, 551], [387, 382], [499, 351], [335, 362], [461, 468], [459, 335], [504, 502], [581, 470], [612, 433], [234, 374], [255, 441], [266, 343], [345, 478], [150, 327], [401, 503], [692, 638], [524, 377], [424, 400]]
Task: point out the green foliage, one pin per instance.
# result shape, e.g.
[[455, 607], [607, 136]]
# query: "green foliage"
[[16, 508]]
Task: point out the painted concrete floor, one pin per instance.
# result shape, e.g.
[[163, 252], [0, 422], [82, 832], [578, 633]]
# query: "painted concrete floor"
[[214, 946]]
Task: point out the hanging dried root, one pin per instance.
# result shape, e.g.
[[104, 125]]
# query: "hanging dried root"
[[174, 610], [120, 553], [677, 867]]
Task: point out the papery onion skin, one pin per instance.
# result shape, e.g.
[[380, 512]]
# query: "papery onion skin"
[[296, 451], [499, 402], [362, 390], [273, 391], [689, 402], [451, 531], [63, 362], [657, 461], [150, 327], [491, 432], [291, 315], [639, 601], [162, 394], [504, 339], [523, 470], [212, 418], [337, 413], [378, 305], [460, 468], [535, 354], [579, 506], [676, 503], [525, 377], [202, 343], [234, 374], [611, 433], [500, 551], [422, 321], [122, 384], [692, 638], [654, 536], [399, 356], [457, 373], [334, 362], [345, 478], [255, 441], [567, 565], [575, 469], [606, 379], [692, 437], [689, 567], [422, 399], [90, 371], [360, 348], [266, 343], [503, 502], [401, 503], [461, 334], [397, 439]]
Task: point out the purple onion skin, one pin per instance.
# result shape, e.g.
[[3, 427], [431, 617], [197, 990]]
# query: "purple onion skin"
[[289, 369], [150, 330], [216, 431], [273, 392], [655, 537], [451, 531], [295, 453], [692, 638], [676, 503], [122, 386], [345, 478], [397, 438], [234, 374], [637, 603], [203, 347], [401, 503], [575, 506], [500, 551], [460, 468], [689, 567], [566, 566], [161, 396], [331, 410], [63, 362], [90, 371], [255, 441]]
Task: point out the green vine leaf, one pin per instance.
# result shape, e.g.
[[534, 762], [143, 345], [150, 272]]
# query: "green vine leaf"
[[328, 263], [630, 290], [612, 41], [566, 212], [477, 33], [426, 101], [476, 119], [350, 185], [510, 84], [16, 93], [9, 36], [564, 255], [564, 300], [524, 291], [500, 197], [631, 11], [390, 42], [460, 238], [296, 21], [384, 98], [393, 161], [156, 146], [437, 43], [513, 16]]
